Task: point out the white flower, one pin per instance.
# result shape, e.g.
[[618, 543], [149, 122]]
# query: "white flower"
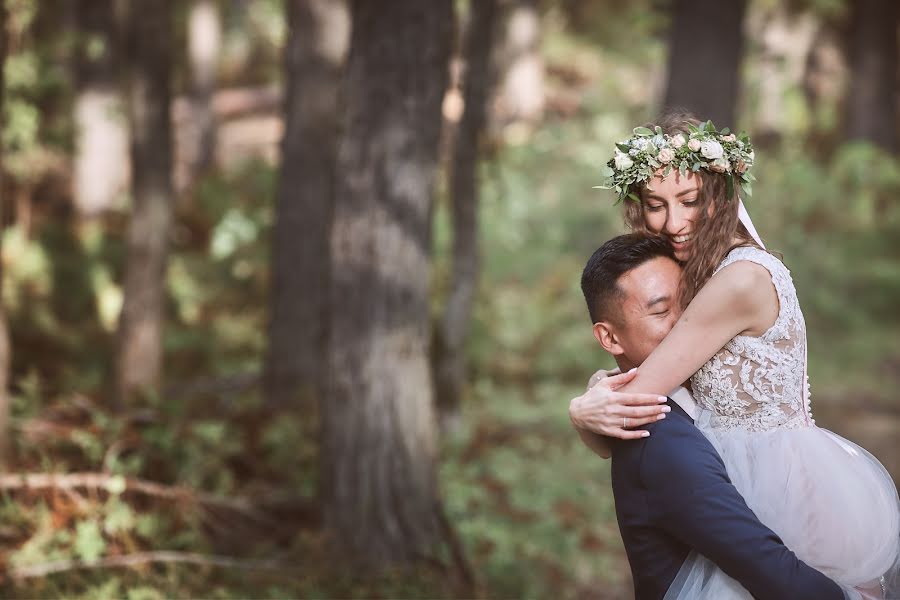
[[640, 142], [751, 156], [711, 149], [729, 138], [665, 155], [677, 141], [720, 165], [694, 145], [659, 141], [622, 161]]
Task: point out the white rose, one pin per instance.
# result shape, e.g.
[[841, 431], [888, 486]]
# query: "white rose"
[[677, 141], [729, 138], [720, 165], [711, 149], [751, 156], [694, 145], [665, 155], [622, 161]]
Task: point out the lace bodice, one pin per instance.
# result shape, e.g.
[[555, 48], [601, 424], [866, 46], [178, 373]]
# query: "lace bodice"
[[759, 383]]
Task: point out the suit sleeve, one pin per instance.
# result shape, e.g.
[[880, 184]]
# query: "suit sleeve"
[[693, 499]]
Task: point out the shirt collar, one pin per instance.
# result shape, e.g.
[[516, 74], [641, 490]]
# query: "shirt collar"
[[683, 398]]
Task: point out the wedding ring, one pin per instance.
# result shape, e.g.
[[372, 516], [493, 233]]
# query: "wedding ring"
[[624, 422]]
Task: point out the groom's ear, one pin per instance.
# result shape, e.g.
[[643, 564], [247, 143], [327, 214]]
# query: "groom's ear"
[[605, 333]]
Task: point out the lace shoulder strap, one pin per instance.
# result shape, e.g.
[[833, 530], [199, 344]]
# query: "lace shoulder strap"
[[781, 278]]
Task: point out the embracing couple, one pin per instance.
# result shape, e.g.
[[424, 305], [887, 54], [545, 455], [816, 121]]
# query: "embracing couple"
[[724, 485]]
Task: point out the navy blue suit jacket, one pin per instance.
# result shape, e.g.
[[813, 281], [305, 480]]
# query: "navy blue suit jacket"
[[673, 495]]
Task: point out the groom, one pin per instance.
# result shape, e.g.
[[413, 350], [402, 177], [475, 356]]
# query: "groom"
[[672, 493]]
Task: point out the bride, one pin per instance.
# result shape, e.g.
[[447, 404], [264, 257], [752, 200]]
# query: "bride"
[[742, 342]]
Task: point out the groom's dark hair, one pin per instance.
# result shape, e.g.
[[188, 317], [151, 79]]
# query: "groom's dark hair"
[[600, 278]]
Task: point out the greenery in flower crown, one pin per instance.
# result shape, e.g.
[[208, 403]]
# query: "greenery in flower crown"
[[638, 158]]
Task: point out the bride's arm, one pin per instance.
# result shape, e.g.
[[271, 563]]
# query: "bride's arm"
[[739, 299]]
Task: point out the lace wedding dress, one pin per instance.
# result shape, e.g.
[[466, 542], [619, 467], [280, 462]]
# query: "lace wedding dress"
[[830, 501]]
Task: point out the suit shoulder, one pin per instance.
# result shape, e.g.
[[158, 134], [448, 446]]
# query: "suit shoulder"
[[678, 453]]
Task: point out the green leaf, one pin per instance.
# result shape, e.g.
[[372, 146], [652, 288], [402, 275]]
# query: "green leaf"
[[633, 196], [642, 131], [747, 188], [115, 485], [695, 166], [725, 131], [89, 542], [623, 147]]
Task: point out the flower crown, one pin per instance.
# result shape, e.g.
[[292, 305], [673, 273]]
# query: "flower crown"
[[640, 157]]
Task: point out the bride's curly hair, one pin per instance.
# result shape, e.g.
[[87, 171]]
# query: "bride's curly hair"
[[714, 230]]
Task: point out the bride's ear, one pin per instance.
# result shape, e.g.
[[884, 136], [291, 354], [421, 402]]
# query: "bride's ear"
[[605, 334]]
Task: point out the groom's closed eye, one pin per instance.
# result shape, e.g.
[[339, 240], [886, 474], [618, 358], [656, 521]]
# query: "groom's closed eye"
[[658, 303]]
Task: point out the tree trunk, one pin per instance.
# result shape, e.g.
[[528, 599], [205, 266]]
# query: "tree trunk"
[[140, 349], [872, 98], [379, 429], [204, 48], [5, 349], [705, 49], [101, 169], [449, 344], [316, 49], [521, 91], [785, 38]]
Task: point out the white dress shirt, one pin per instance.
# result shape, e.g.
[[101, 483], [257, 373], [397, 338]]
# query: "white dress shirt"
[[683, 398]]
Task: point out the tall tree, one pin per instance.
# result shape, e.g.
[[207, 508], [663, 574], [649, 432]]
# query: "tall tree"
[[204, 49], [140, 349], [449, 355], [705, 50], [317, 43], [872, 98], [521, 89], [101, 126], [379, 429], [5, 349]]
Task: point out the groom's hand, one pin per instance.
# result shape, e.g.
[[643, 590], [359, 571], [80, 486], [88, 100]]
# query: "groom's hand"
[[604, 411]]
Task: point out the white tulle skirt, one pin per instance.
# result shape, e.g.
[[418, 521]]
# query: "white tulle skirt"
[[829, 500]]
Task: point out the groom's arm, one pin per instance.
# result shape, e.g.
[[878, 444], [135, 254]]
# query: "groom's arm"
[[693, 499]]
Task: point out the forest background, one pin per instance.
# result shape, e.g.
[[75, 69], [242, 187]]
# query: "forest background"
[[290, 289]]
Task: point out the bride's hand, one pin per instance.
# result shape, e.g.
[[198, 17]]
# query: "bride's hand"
[[607, 412], [600, 375]]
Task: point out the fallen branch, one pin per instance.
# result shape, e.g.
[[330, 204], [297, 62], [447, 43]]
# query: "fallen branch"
[[118, 484], [142, 558]]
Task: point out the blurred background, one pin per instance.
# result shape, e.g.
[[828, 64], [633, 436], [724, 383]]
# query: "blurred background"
[[290, 288]]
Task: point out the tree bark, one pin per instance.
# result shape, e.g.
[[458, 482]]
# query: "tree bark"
[[101, 170], [5, 348], [140, 349], [449, 352], [521, 90], [705, 51], [204, 48], [317, 44], [872, 97], [379, 429]]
